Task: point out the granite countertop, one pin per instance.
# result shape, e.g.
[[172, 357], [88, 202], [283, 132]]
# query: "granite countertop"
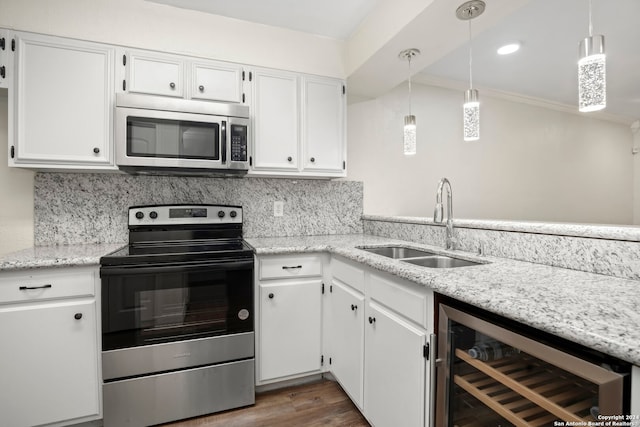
[[629, 233], [600, 312], [57, 256]]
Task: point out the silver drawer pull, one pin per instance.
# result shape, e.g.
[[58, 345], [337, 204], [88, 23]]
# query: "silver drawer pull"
[[284, 267], [29, 288]]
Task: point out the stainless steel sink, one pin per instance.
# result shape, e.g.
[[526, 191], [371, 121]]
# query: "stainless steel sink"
[[440, 261], [397, 252]]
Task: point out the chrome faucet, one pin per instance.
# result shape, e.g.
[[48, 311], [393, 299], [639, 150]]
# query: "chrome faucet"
[[438, 211]]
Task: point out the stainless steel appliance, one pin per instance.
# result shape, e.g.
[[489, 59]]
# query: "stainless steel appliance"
[[177, 316], [157, 134], [497, 372]]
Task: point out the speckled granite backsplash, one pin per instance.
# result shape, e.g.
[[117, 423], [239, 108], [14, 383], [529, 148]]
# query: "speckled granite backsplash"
[[610, 257], [92, 208]]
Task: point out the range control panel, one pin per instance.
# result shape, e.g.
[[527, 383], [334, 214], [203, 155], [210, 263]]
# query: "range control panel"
[[185, 214]]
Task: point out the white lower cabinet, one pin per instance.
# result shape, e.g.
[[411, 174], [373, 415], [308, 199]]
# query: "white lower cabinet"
[[374, 335], [378, 339], [347, 339], [289, 303], [394, 373], [49, 363]]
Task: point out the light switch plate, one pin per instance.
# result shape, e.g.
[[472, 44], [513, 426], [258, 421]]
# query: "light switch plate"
[[278, 208]]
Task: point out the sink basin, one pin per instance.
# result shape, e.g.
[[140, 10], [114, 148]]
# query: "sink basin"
[[440, 261], [397, 252]]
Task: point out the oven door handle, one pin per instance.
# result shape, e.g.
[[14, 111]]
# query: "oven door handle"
[[175, 268]]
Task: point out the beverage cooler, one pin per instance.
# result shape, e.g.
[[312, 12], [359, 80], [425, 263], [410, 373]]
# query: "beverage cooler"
[[496, 372]]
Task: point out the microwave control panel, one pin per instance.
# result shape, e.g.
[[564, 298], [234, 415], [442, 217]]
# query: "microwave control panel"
[[238, 143]]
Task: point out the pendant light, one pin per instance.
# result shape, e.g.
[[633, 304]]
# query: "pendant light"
[[471, 107], [409, 120], [592, 82]]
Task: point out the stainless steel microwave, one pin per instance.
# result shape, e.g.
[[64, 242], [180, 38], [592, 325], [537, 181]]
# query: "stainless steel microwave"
[[163, 135]]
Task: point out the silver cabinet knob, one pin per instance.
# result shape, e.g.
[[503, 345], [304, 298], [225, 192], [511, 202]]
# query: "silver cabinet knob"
[[172, 85], [201, 88]]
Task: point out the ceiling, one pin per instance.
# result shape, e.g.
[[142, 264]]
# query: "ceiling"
[[545, 68], [331, 18]]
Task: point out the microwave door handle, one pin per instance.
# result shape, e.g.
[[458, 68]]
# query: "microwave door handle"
[[223, 138]]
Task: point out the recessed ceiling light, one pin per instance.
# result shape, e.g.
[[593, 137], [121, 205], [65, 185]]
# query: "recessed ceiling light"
[[508, 48]]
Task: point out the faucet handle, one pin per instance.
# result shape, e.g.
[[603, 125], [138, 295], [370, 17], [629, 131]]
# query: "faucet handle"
[[438, 213]]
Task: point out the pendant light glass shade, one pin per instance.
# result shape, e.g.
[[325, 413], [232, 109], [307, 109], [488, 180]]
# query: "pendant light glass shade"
[[409, 135], [471, 115], [471, 107], [592, 76]]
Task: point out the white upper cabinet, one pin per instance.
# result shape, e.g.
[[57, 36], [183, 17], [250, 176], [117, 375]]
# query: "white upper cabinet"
[[275, 112], [5, 68], [323, 125], [61, 113], [298, 125], [216, 81], [154, 74]]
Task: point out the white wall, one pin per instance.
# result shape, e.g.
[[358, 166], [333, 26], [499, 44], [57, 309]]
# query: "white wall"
[[16, 196], [531, 163]]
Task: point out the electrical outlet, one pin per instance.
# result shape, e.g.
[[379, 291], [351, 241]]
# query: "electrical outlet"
[[278, 208]]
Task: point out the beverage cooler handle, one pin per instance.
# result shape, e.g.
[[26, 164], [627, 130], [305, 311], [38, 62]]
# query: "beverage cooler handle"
[[433, 339], [223, 137]]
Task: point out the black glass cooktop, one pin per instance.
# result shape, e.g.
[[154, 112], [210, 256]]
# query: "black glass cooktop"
[[178, 251]]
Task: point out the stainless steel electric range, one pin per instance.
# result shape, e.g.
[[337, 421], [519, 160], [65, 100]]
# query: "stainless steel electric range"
[[177, 316]]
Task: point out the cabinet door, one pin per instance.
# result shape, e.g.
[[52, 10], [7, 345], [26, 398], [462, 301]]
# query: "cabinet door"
[[48, 363], [323, 125], [215, 81], [5, 69], [62, 102], [155, 74], [347, 339], [275, 120], [290, 328], [394, 391]]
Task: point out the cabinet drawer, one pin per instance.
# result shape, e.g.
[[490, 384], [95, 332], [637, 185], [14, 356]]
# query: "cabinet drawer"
[[348, 274], [290, 266], [411, 301], [46, 284]]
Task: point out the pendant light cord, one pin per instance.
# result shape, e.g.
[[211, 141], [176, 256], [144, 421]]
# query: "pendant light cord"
[[590, 25], [409, 59], [470, 58]]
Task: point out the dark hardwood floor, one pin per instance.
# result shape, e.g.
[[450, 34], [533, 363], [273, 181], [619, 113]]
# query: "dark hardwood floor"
[[315, 404]]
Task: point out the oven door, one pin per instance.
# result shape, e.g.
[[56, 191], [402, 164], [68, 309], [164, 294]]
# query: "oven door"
[[155, 138], [145, 305]]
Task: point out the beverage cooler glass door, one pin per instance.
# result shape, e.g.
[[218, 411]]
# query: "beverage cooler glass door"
[[156, 304], [492, 376]]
